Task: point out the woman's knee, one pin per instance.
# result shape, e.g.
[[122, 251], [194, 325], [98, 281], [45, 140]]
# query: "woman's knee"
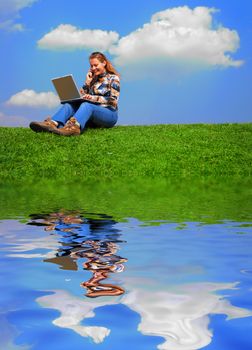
[[87, 105]]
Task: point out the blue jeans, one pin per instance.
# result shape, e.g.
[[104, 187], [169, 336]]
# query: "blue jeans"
[[86, 113]]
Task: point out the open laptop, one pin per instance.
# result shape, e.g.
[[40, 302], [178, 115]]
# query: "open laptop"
[[67, 89]]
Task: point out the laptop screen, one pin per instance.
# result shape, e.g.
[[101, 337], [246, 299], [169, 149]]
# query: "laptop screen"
[[66, 88]]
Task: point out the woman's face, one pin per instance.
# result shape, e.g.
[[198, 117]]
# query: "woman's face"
[[97, 67]]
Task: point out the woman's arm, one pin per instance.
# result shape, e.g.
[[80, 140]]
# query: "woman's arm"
[[86, 86], [109, 97]]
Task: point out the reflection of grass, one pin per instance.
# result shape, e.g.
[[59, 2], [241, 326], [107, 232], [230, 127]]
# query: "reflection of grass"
[[129, 151], [151, 200]]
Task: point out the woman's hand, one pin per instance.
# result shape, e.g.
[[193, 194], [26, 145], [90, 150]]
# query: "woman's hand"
[[87, 97], [82, 92], [89, 77]]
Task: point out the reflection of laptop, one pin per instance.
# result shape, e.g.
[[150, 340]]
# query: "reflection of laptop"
[[67, 89]]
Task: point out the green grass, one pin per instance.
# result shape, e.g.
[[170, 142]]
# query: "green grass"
[[157, 150]]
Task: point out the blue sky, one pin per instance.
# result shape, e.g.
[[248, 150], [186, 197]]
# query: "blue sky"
[[180, 61]]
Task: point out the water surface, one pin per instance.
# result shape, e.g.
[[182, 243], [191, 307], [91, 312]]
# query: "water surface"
[[150, 265]]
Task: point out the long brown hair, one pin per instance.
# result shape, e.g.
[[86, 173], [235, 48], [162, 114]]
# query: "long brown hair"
[[102, 58]]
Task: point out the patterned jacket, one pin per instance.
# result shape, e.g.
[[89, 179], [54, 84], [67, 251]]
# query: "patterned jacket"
[[104, 90]]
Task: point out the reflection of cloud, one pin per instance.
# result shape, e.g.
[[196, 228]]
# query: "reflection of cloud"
[[181, 317], [32, 255], [24, 247], [8, 334], [66, 37], [32, 98], [73, 311]]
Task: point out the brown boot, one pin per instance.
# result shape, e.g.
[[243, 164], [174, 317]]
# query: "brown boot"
[[72, 128], [47, 126]]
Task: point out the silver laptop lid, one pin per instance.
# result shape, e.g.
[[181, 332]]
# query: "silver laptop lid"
[[66, 88]]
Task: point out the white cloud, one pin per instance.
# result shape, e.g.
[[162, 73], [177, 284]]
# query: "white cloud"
[[11, 26], [9, 12], [175, 42], [12, 120], [31, 98], [179, 34], [13, 6], [66, 36]]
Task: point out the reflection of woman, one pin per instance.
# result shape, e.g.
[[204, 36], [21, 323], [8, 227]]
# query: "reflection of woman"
[[97, 245], [100, 95], [101, 260]]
